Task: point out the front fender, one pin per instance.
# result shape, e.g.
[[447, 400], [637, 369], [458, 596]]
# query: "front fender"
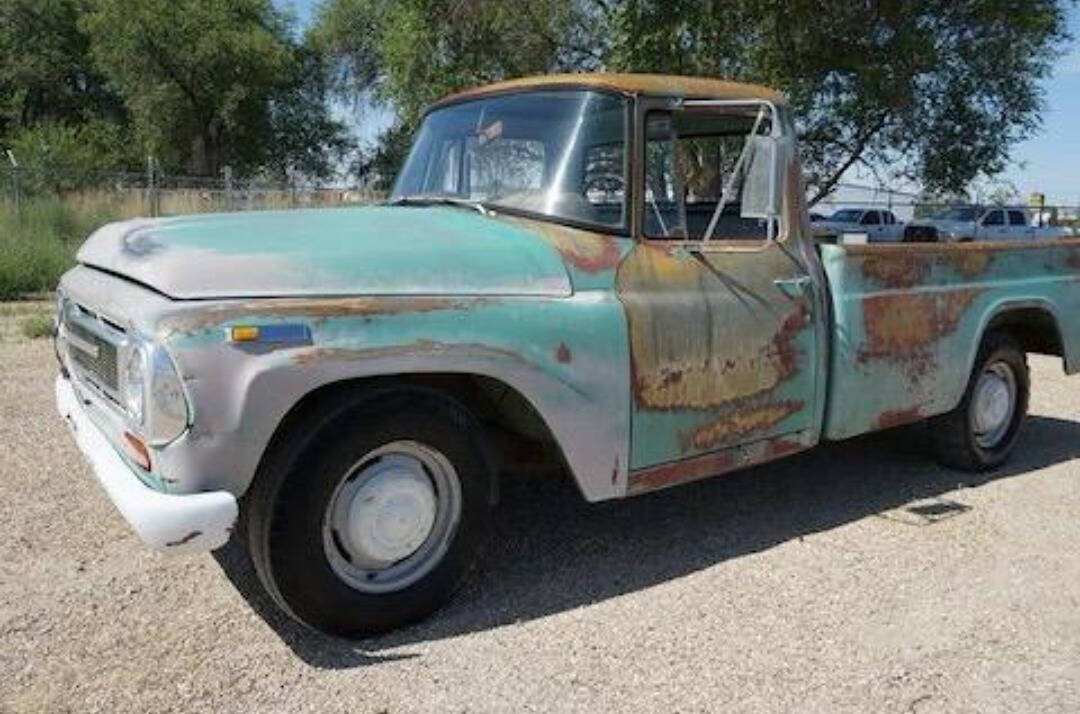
[[566, 356]]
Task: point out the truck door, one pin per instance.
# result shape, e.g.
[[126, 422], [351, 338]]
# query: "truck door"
[[993, 226], [871, 223], [723, 332], [1019, 226]]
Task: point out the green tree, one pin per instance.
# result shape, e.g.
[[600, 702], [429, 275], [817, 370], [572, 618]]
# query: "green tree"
[[47, 75], [216, 82], [916, 89]]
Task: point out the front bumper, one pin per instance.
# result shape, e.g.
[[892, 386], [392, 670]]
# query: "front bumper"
[[166, 522]]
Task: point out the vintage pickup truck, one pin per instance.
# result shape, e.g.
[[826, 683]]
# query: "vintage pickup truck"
[[614, 272]]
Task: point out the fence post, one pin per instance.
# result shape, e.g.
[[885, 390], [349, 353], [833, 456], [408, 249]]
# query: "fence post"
[[150, 185], [15, 184], [228, 189]]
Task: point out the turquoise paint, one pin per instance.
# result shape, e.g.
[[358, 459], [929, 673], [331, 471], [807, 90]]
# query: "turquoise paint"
[[567, 356], [371, 250], [930, 379]]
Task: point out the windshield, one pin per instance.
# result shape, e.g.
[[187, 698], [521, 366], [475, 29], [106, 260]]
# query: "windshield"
[[960, 214], [847, 215], [556, 153]]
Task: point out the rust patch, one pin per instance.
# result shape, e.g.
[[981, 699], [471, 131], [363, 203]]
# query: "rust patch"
[[723, 375], [562, 354], [898, 417], [1073, 260], [896, 270], [781, 447], [739, 422], [713, 464], [592, 253], [314, 309], [585, 250], [665, 475], [897, 325], [318, 355], [969, 263]]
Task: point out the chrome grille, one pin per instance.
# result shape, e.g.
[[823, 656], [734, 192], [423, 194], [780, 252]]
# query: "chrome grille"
[[101, 362], [93, 345]]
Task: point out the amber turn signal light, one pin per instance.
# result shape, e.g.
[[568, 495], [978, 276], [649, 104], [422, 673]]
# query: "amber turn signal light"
[[137, 450]]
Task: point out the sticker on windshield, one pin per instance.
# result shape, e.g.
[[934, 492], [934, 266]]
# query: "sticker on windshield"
[[490, 133]]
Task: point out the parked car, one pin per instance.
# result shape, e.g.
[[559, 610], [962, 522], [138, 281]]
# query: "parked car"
[[971, 223], [879, 226], [338, 388]]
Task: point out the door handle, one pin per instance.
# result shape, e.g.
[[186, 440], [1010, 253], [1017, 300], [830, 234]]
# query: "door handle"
[[794, 287]]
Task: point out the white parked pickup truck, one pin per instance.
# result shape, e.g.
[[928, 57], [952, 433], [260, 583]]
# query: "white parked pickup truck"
[[970, 223], [879, 226]]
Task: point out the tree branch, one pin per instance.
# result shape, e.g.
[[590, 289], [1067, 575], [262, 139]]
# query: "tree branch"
[[826, 187]]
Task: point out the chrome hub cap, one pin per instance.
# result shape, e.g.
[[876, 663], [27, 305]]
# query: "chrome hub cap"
[[993, 404], [392, 517]]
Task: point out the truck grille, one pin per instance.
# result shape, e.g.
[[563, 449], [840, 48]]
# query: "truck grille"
[[101, 365], [93, 347]]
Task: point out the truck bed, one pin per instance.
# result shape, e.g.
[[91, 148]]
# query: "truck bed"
[[908, 320]]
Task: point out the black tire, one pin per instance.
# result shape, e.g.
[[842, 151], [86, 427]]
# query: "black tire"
[[954, 434], [286, 507]]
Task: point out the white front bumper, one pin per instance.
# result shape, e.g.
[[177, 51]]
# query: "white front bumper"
[[166, 522]]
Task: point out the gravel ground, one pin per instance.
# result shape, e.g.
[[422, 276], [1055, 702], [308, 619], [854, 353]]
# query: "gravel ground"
[[859, 577]]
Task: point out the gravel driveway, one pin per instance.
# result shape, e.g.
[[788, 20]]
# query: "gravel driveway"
[[859, 577]]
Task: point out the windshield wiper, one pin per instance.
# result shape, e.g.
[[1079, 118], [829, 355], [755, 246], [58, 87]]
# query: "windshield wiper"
[[440, 200]]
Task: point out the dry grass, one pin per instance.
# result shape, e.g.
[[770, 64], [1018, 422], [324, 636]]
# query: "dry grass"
[[38, 241]]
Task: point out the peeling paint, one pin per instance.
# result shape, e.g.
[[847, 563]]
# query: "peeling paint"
[[715, 463], [898, 417], [742, 421], [562, 354], [896, 271], [216, 315]]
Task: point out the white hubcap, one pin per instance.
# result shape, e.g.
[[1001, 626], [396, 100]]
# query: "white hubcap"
[[391, 515], [994, 404]]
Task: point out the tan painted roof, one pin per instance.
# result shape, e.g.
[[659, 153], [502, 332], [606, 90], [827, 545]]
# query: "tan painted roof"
[[655, 84]]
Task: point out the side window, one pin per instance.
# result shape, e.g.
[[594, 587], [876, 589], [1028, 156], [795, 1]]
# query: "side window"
[[691, 158], [1016, 218], [890, 219], [994, 218], [871, 218]]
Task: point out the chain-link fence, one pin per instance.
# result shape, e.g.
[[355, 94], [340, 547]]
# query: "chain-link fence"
[[157, 193], [854, 203]]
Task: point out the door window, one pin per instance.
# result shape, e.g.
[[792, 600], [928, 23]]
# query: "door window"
[[1016, 218], [994, 218], [872, 218], [696, 164]]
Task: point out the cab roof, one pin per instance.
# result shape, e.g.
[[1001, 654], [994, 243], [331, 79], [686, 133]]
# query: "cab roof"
[[648, 84]]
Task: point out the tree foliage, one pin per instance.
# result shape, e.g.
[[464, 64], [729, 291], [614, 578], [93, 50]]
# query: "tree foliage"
[[916, 89], [212, 82], [198, 83]]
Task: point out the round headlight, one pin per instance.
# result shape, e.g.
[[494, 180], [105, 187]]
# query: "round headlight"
[[168, 407], [133, 383]]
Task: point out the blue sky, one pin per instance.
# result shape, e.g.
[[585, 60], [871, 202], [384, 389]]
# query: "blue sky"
[[1048, 162]]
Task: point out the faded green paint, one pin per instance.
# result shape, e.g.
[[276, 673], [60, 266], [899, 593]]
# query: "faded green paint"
[[374, 250], [908, 320], [568, 356]]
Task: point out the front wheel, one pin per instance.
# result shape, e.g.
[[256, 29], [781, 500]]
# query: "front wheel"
[[981, 432], [379, 519]]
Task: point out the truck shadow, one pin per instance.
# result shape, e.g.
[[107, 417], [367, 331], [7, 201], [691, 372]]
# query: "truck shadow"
[[553, 552]]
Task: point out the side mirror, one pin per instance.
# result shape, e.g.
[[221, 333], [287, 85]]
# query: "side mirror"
[[763, 186]]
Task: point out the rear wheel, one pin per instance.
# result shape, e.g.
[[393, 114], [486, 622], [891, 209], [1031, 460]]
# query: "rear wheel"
[[377, 521], [982, 431]]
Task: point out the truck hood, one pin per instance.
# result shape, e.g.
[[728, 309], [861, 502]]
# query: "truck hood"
[[374, 250]]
